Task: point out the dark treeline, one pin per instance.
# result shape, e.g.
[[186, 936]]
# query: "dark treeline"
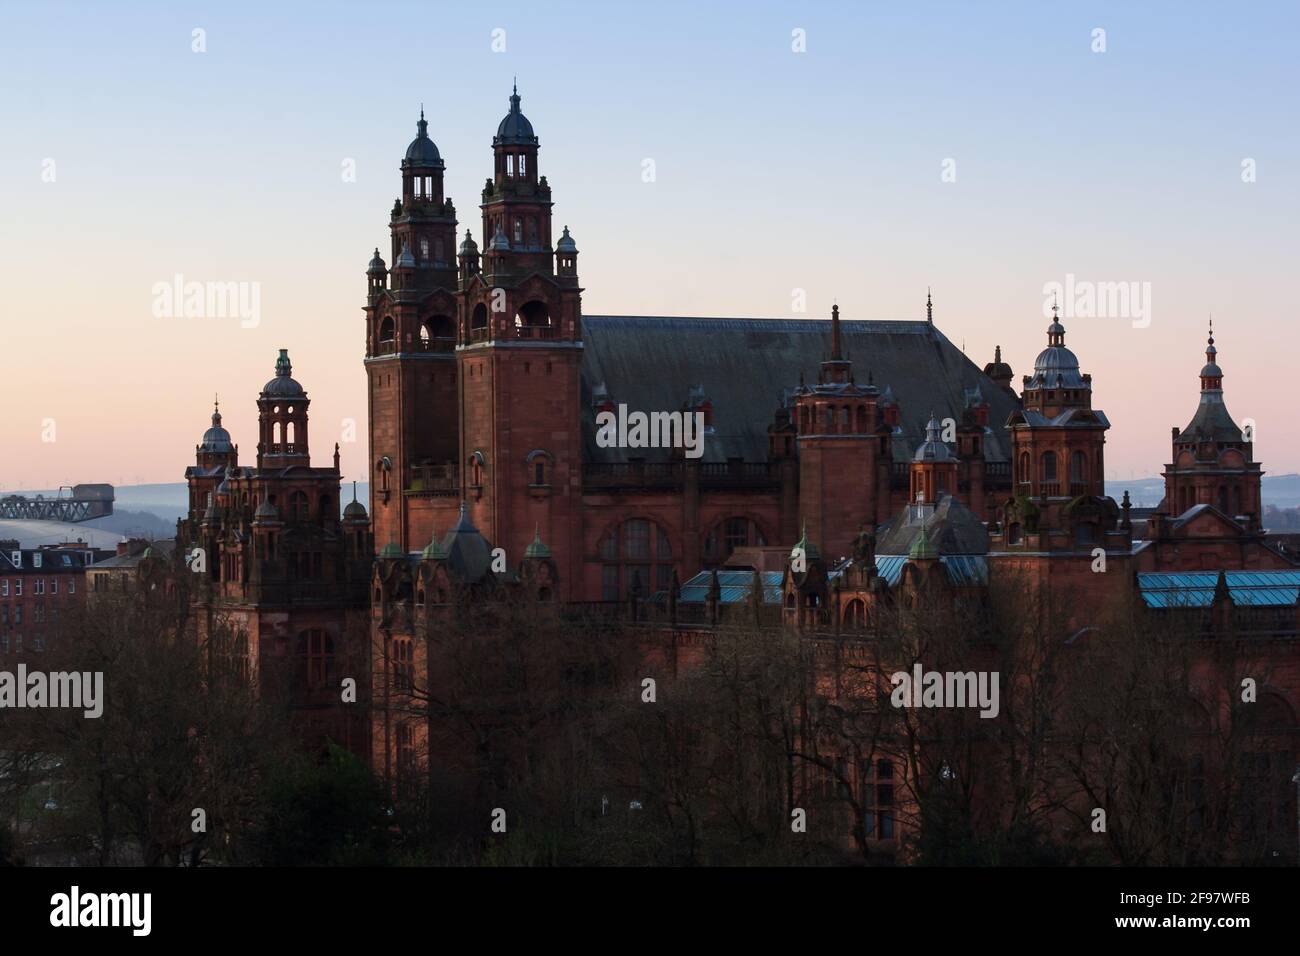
[[760, 746]]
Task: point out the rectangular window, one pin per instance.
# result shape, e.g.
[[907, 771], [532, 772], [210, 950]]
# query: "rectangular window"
[[72, 585], [4, 615], [39, 586], [4, 643], [4, 587], [54, 585], [18, 587], [522, 165], [510, 165]]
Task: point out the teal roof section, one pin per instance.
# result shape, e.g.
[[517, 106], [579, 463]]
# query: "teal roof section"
[[1195, 589], [734, 587]]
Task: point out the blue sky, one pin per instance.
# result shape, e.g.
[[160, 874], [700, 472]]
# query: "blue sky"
[[775, 171]]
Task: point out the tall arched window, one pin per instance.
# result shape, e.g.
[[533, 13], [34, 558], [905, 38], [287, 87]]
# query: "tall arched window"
[[855, 615], [299, 508], [387, 330], [1078, 467], [1049, 466], [636, 550], [1025, 475]]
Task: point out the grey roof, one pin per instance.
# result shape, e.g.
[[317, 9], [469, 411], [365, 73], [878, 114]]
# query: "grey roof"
[[216, 438], [422, 151], [404, 258], [1211, 421], [650, 364], [1070, 418], [566, 243], [1056, 366], [468, 247], [951, 527], [515, 130], [376, 264], [933, 448], [467, 553]]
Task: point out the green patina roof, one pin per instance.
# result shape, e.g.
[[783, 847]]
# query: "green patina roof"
[[922, 548], [391, 550], [810, 551], [536, 549], [433, 551]]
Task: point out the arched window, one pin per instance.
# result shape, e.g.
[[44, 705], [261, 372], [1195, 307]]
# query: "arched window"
[[299, 509], [533, 314], [1049, 466], [403, 665], [424, 248], [727, 536], [636, 550], [1013, 533], [479, 319], [1223, 498], [315, 658], [539, 463], [519, 232], [855, 614], [387, 330], [1025, 475]]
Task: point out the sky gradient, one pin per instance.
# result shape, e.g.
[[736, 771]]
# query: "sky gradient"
[[775, 171]]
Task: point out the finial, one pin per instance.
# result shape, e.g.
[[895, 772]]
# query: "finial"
[[997, 353], [1056, 309], [929, 307], [354, 491], [835, 334]]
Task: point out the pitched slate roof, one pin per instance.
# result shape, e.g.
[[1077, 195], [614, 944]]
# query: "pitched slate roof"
[[650, 363], [951, 526]]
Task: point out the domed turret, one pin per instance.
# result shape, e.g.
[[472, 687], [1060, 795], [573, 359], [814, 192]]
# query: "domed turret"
[[515, 130], [422, 153], [468, 246], [376, 266], [933, 448], [216, 440], [283, 385], [566, 243], [1056, 366]]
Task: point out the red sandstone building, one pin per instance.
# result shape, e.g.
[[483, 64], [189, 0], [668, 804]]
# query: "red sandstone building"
[[877, 446]]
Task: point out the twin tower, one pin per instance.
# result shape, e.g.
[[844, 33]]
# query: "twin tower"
[[473, 357]]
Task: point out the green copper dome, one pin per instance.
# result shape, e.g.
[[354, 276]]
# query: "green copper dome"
[[922, 548], [536, 549]]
